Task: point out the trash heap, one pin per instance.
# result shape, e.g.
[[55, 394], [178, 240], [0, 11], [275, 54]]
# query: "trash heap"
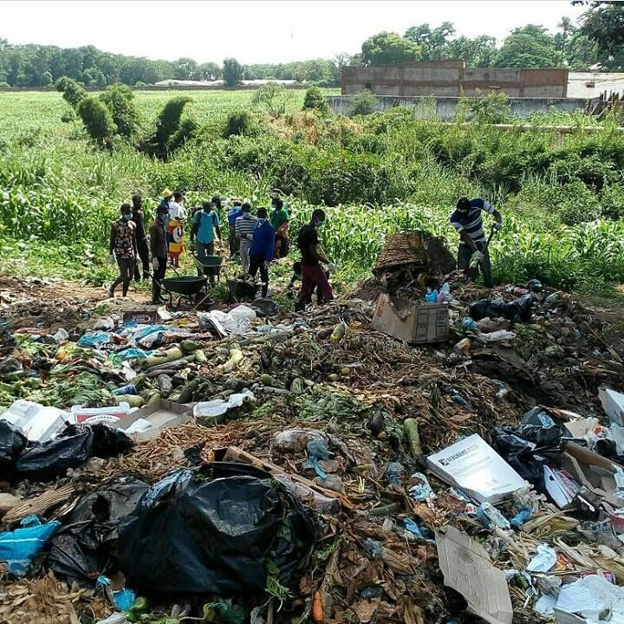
[[252, 465]]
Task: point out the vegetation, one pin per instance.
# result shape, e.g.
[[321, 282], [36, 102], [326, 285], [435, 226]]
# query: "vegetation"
[[232, 72], [561, 198]]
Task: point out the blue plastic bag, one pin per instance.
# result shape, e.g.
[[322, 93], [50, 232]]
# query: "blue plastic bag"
[[18, 548], [94, 339]]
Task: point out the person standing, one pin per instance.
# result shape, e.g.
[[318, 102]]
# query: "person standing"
[[175, 228], [165, 197], [141, 238], [279, 220], [205, 224], [261, 250], [311, 257], [466, 219], [123, 248], [159, 251], [235, 212], [244, 231]]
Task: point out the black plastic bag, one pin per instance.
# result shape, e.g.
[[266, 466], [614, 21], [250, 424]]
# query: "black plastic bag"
[[87, 546], [12, 443], [522, 447], [516, 311], [190, 535], [74, 446]]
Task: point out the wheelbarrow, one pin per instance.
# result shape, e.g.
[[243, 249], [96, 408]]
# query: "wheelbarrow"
[[186, 286], [210, 265]]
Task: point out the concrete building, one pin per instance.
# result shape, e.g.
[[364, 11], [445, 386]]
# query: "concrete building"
[[454, 79], [593, 84]]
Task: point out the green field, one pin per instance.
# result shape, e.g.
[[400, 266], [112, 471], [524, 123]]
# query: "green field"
[[562, 201]]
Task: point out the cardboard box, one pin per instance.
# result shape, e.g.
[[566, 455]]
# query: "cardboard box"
[[592, 471], [159, 416], [467, 569], [613, 405], [411, 322], [475, 467]]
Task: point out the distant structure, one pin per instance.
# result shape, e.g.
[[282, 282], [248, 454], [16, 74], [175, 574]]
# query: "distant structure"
[[453, 79], [218, 84]]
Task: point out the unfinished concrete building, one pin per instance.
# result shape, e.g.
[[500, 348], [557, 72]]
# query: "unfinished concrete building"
[[454, 79]]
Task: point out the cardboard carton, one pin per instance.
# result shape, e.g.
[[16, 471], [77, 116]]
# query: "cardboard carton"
[[411, 322], [475, 467], [148, 422]]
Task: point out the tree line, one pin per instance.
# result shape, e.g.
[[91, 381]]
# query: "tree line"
[[597, 41]]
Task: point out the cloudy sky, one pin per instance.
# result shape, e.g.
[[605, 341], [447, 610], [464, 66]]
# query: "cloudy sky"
[[256, 31]]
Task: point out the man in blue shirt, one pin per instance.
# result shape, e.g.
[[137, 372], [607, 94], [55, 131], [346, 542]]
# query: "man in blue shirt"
[[466, 219], [261, 251], [235, 212], [205, 224]]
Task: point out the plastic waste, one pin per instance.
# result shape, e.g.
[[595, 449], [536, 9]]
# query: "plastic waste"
[[431, 296], [219, 407], [412, 527], [502, 389], [115, 618], [395, 473], [516, 311], [81, 550], [497, 336], [330, 482], [236, 321], [12, 443], [128, 389], [544, 560], [264, 307], [124, 598], [421, 491], [94, 339], [373, 547], [218, 535], [61, 335], [444, 293], [110, 415], [490, 517], [296, 439], [37, 422], [524, 515], [470, 324], [18, 548], [458, 399], [72, 448]]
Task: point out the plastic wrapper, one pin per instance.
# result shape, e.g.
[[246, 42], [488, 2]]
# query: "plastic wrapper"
[[12, 443]]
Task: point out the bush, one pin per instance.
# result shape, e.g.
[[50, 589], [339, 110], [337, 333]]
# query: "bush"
[[97, 120], [314, 100], [72, 92], [270, 96], [120, 101], [364, 103], [237, 123], [489, 109], [168, 125]]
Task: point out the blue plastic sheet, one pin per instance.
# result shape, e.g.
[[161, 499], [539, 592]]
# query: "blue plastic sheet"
[[94, 339], [131, 353], [18, 548]]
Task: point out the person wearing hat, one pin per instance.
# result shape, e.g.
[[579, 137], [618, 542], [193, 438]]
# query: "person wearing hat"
[[123, 248], [235, 212], [159, 250], [165, 197]]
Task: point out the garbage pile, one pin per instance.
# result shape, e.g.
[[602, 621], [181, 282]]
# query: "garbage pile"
[[231, 466]]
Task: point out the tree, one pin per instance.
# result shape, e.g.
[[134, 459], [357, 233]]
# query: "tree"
[[529, 47], [232, 72], [97, 120], [478, 52], [209, 71], [389, 49], [433, 43], [185, 69], [603, 24]]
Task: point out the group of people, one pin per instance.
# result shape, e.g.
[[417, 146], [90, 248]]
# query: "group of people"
[[258, 239]]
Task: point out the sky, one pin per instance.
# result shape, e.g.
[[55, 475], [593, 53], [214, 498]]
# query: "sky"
[[257, 31]]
